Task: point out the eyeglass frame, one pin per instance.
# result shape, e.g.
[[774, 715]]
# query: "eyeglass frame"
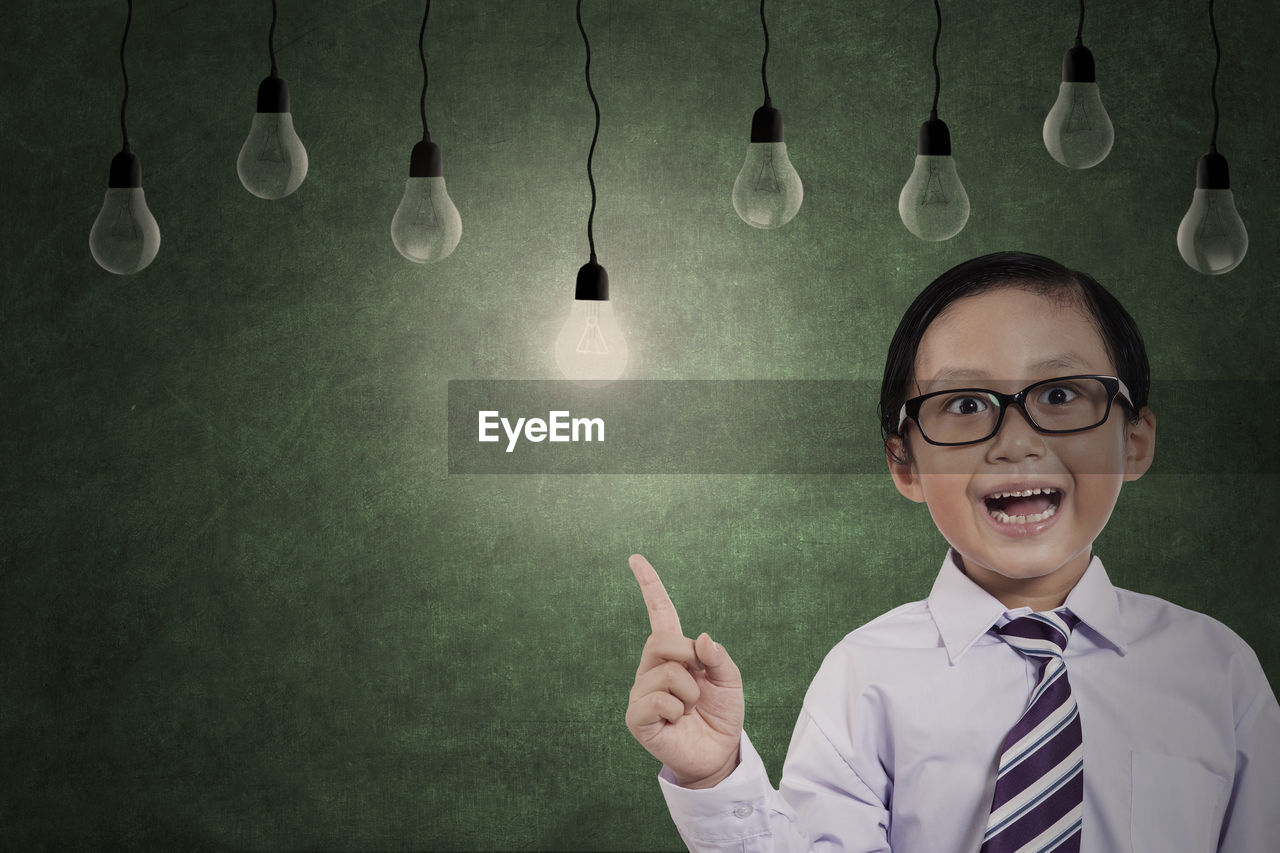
[[1114, 385]]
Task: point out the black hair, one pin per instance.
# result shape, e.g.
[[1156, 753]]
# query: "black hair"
[[1037, 274]]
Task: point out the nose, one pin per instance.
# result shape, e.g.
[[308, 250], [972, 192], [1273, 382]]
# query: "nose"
[[1016, 439]]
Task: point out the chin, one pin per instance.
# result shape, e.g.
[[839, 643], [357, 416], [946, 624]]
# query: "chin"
[[1025, 560], [1027, 570]]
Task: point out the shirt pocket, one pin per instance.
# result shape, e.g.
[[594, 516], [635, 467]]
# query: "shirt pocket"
[[1177, 805]]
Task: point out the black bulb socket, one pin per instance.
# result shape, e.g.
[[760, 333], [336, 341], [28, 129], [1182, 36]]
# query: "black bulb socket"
[[935, 138], [425, 161], [126, 171], [593, 283], [273, 95], [766, 125], [1212, 173], [1077, 65]]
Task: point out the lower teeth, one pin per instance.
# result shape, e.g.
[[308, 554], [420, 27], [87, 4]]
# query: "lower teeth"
[[1003, 518]]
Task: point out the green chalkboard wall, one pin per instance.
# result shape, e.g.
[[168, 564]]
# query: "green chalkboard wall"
[[244, 605]]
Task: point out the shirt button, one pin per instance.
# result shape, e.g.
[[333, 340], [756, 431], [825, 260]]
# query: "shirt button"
[[742, 811]]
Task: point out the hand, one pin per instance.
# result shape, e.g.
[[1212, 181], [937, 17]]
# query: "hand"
[[686, 704]]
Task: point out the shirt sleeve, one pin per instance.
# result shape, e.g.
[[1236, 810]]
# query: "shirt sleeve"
[[821, 805], [1252, 821]]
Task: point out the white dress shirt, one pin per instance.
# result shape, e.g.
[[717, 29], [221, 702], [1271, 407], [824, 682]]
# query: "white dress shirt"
[[901, 730]]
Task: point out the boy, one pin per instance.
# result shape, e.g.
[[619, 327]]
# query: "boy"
[[1026, 704]]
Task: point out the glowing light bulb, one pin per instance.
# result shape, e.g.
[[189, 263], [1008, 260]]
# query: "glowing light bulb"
[[426, 226], [272, 162], [591, 349], [1211, 237], [125, 237], [933, 204], [1078, 132], [767, 192]]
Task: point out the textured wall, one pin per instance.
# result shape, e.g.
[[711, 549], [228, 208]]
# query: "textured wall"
[[243, 605]]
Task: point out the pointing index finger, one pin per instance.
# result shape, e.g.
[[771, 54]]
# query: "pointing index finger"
[[662, 613]]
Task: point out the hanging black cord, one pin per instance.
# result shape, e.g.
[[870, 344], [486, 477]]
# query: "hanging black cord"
[[764, 63], [1213, 88], [422, 100], [590, 177], [937, 79], [271, 40], [124, 131], [1080, 28]]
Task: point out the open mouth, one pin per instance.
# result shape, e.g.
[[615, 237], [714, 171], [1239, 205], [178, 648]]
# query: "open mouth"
[[1027, 506]]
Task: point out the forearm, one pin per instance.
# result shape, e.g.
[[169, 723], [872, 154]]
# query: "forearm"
[[741, 813], [821, 804]]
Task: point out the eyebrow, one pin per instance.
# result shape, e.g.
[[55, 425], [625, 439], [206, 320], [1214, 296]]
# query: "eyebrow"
[[1064, 360]]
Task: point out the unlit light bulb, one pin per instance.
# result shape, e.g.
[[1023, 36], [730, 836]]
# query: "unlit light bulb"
[[591, 348], [272, 162], [1078, 132], [933, 204], [125, 237], [1212, 238], [767, 192], [426, 226]]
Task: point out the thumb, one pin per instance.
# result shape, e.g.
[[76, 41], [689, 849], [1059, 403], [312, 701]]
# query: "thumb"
[[721, 670]]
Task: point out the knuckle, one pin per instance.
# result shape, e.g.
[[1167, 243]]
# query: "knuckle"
[[673, 671]]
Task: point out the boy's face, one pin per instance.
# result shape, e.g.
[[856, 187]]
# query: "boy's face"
[[1003, 340]]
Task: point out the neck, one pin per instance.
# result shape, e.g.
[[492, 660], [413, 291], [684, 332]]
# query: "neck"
[[1041, 594]]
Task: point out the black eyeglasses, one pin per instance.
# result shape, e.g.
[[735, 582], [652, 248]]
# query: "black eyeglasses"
[[971, 415]]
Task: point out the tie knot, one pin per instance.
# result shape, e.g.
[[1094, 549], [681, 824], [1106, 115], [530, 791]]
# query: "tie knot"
[[1039, 634]]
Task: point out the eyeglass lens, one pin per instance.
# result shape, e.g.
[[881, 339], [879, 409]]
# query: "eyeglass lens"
[[969, 415]]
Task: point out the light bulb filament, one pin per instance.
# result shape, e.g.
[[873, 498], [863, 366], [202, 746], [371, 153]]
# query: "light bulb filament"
[[767, 179], [933, 191], [592, 341], [1080, 119], [425, 215], [271, 150], [124, 226], [1212, 228], [581, 351]]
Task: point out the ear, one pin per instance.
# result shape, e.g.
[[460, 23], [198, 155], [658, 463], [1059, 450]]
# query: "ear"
[[904, 473], [1140, 445]]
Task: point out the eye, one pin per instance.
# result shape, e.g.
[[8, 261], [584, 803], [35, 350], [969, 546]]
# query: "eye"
[[965, 404], [1057, 395]]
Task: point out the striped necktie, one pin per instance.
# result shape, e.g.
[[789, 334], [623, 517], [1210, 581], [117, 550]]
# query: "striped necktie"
[[1039, 796]]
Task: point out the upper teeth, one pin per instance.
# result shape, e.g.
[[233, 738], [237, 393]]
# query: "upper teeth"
[[1026, 493]]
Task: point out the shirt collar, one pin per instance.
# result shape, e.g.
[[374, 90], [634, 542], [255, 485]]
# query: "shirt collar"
[[964, 611]]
